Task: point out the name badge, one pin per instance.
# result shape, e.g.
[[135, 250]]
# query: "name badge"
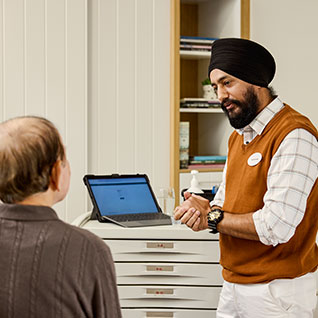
[[254, 159]]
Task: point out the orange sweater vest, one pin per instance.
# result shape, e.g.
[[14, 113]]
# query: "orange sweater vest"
[[247, 261]]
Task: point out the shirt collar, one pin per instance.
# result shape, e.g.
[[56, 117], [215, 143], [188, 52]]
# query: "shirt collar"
[[259, 123]]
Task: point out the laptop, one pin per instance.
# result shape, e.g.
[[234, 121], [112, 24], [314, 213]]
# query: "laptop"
[[127, 200]]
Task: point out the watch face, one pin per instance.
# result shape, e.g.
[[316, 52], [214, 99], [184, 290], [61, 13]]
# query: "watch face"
[[214, 215]]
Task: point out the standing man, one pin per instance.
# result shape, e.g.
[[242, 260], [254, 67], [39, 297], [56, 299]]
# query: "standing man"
[[47, 268], [266, 209]]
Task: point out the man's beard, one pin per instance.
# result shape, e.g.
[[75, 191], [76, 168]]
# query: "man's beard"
[[248, 109]]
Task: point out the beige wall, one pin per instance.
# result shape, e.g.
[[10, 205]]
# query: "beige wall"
[[100, 70], [289, 29]]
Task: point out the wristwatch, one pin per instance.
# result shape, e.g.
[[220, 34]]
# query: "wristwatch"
[[214, 218]]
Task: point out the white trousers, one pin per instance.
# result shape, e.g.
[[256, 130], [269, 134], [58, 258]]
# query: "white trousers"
[[281, 298]]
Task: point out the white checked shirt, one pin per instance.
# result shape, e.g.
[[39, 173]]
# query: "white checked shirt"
[[292, 173]]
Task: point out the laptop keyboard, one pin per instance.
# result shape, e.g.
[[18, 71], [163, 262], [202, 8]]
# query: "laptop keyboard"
[[140, 216]]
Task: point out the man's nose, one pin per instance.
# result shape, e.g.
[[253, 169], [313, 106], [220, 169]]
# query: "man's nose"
[[222, 94]]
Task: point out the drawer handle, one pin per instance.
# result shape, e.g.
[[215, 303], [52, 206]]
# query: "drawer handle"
[[159, 291], [157, 314], [153, 268], [160, 245]]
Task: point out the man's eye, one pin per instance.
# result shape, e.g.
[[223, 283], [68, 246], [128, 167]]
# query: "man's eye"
[[227, 83]]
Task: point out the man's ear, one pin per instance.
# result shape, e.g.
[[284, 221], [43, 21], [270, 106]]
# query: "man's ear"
[[55, 176]]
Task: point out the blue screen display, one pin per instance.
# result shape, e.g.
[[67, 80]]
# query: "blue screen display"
[[122, 195]]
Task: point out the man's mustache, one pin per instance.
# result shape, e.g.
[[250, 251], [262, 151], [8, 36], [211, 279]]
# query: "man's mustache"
[[228, 101]]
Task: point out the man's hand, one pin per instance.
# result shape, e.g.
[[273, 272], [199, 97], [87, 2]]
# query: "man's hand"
[[193, 212]]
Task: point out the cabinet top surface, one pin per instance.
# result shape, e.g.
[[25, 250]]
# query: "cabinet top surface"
[[168, 232]]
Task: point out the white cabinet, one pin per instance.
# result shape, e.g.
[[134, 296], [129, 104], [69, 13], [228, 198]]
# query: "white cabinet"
[[167, 313], [164, 250], [169, 296], [164, 271]]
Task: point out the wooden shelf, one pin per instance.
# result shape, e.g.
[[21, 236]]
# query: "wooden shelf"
[[201, 170], [202, 110], [194, 54]]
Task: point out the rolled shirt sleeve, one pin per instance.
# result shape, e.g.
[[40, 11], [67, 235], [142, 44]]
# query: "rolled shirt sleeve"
[[291, 176]]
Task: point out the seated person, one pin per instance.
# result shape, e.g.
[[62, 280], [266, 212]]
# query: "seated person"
[[48, 268]]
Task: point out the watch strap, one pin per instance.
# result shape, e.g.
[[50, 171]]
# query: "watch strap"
[[215, 219]]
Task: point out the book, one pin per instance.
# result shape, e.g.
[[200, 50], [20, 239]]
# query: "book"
[[195, 47], [214, 158], [184, 143], [205, 162], [199, 103], [199, 99], [196, 39]]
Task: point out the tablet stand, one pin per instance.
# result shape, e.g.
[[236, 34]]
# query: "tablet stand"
[[94, 214]]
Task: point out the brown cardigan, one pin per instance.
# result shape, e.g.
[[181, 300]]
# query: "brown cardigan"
[[51, 269], [246, 261]]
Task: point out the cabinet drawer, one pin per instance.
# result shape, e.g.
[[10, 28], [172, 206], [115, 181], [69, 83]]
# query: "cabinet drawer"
[[167, 313], [164, 251], [167, 273], [169, 296]]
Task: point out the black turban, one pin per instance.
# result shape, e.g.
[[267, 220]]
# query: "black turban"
[[243, 59]]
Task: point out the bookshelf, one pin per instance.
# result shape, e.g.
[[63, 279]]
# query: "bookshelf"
[[209, 127]]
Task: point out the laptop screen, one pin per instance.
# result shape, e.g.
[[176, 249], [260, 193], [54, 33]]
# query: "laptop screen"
[[123, 195]]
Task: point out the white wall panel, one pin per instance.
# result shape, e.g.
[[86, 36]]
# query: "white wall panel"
[[94, 66], [144, 86], [44, 72], [129, 72], [100, 70], [161, 85], [1, 60], [76, 103], [55, 70], [34, 57], [13, 50], [55, 64], [126, 85], [106, 86]]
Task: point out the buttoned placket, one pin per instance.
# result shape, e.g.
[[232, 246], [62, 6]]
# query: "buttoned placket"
[[247, 134]]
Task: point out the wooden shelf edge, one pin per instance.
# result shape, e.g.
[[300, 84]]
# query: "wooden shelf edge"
[[174, 94], [202, 110], [194, 54], [201, 170]]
